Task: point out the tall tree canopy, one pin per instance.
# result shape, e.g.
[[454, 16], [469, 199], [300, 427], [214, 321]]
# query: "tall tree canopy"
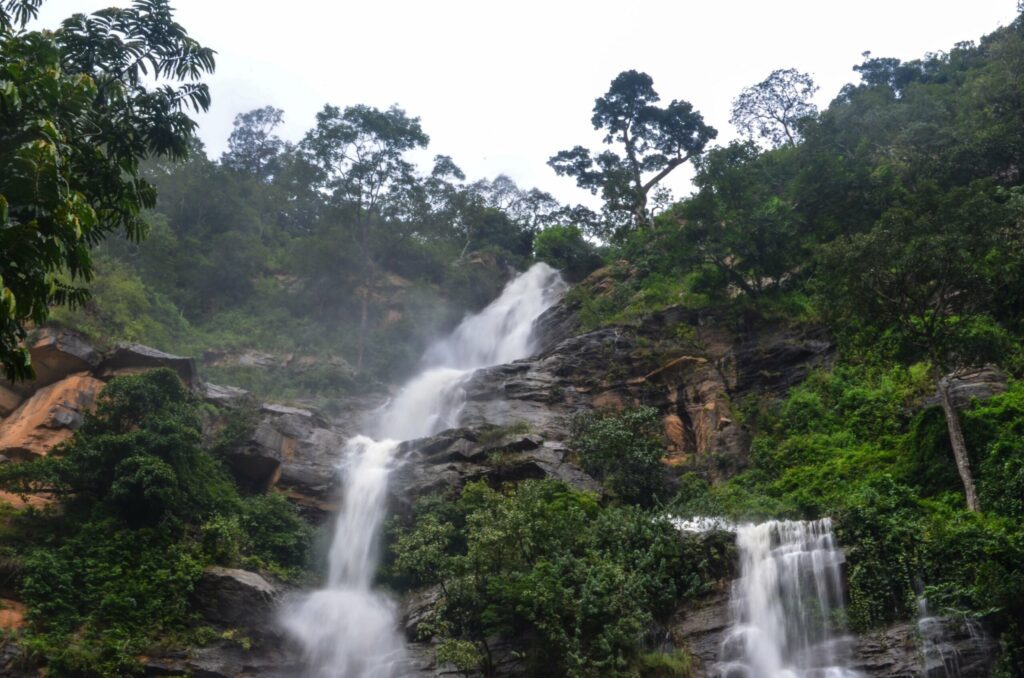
[[80, 110], [774, 108], [653, 140], [253, 147]]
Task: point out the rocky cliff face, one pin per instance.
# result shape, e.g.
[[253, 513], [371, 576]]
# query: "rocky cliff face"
[[693, 366]]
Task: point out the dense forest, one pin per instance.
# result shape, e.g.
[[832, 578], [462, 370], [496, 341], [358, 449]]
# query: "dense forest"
[[891, 221]]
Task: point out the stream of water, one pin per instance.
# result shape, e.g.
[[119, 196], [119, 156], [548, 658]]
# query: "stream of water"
[[787, 604], [347, 628]]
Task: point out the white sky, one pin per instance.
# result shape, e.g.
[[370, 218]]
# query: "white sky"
[[501, 88]]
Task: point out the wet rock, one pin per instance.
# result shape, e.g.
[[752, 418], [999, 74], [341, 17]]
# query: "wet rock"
[[227, 659], [691, 365], [417, 608], [700, 627], [128, 359], [899, 651], [297, 450], [49, 417], [235, 598]]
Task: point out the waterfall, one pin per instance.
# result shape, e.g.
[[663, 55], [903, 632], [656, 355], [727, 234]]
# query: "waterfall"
[[346, 628], [939, 652], [787, 605]]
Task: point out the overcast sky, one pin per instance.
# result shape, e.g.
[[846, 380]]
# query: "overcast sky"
[[502, 87]]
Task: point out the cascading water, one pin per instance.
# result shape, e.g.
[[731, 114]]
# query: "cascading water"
[[787, 604], [346, 628]]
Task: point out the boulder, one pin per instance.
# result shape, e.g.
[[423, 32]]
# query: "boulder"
[[256, 464], [135, 358], [49, 417], [235, 598], [57, 353], [297, 450]]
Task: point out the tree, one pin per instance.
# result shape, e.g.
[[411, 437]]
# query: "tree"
[[253, 147], [922, 281], [80, 110], [624, 451], [359, 155], [741, 220], [654, 141], [774, 108]]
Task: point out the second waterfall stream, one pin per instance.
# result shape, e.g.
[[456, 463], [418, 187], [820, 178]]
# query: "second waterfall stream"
[[787, 605], [346, 628]]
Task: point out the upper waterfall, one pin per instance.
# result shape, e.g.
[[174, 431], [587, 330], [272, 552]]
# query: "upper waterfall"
[[346, 628]]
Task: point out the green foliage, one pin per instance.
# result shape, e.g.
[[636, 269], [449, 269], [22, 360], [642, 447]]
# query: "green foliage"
[[624, 451], [80, 111], [565, 248], [142, 508], [578, 583]]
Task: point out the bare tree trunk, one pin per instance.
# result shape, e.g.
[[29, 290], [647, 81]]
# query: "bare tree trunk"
[[956, 440]]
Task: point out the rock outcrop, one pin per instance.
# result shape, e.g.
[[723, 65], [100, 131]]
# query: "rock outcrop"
[[700, 627], [976, 384], [692, 365], [135, 358], [56, 353], [446, 462], [901, 651], [70, 373], [48, 417]]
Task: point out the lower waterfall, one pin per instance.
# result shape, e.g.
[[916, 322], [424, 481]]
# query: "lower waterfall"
[[787, 605], [346, 628]]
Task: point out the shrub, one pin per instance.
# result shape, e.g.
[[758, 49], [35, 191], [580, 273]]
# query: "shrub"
[[624, 451]]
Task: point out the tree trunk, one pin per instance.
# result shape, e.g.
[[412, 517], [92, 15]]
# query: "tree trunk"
[[956, 440]]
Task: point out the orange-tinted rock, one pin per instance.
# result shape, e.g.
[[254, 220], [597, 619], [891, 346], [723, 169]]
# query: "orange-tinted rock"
[[49, 417], [18, 501], [674, 431], [12, 614]]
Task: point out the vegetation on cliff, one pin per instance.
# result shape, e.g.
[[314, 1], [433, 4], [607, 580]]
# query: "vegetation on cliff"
[[141, 507]]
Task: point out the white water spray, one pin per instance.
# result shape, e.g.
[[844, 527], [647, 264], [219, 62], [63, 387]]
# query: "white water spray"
[[787, 604], [348, 629]]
